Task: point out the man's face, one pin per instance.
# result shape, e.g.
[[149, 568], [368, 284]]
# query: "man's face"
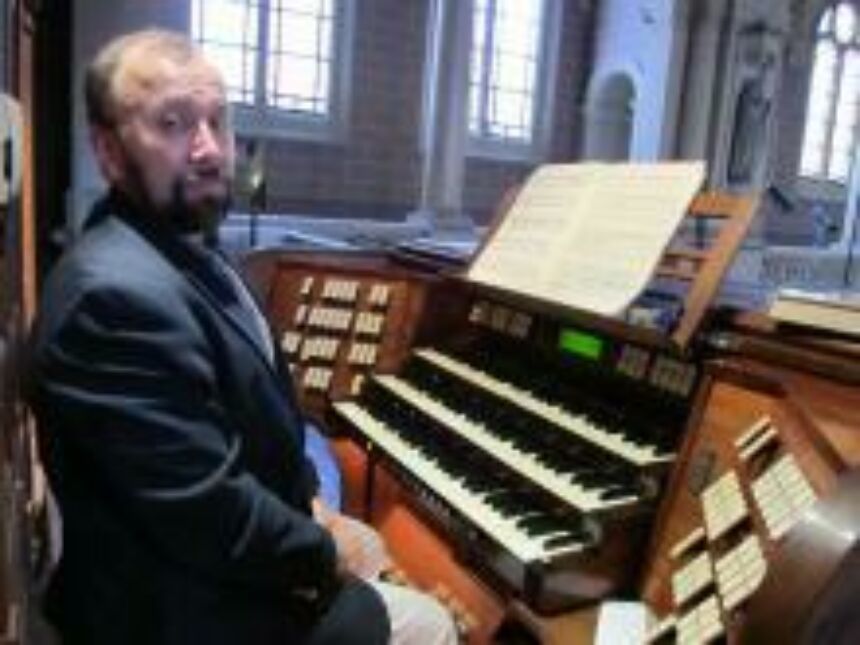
[[174, 151]]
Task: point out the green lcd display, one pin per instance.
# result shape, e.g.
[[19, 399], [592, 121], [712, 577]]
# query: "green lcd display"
[[580, 343]]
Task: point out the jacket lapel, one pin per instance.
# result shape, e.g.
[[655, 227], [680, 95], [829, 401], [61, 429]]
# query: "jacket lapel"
[[206, 280], [228, 304]]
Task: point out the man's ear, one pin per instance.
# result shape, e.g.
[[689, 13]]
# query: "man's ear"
[[108, 151]]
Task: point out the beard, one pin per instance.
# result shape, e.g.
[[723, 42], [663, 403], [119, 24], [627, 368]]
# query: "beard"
[[202, 216], [186, 217]]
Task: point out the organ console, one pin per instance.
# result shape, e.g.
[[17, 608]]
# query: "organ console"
[[548, 460], [536, 460]]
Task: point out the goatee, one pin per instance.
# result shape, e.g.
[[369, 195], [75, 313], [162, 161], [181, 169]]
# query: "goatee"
[[179, 214], [203, 217]]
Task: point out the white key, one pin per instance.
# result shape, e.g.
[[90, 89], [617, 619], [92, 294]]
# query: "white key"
[[502, 529], [574, 494]]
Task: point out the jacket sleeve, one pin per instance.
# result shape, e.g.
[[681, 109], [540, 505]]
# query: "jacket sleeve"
[[139, 402]]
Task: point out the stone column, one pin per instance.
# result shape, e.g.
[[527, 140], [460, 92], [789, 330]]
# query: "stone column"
[[680, 13], [446, 116], [707, 24], [850, 234]]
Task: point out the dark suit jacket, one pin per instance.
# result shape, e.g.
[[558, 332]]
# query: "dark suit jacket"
[[175, 450]]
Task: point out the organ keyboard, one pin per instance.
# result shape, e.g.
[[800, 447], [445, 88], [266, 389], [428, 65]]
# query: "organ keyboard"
[[546, 458], [538, 446], [587, 479], [629, 446], [529, 525]]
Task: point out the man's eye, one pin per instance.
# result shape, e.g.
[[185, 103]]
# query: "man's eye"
[[172, 122], [168, 121]]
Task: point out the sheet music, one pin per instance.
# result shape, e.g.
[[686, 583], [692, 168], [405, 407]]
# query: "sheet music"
[[589, 235]]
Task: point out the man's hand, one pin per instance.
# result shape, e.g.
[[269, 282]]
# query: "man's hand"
[[360, 549]]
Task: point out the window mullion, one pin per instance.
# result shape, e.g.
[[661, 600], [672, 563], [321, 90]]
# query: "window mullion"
[[540, 99], [486, 69], [263, 22], [318, 56]]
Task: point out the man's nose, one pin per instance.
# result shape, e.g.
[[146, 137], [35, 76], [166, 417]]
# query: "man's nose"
[[206, 143]]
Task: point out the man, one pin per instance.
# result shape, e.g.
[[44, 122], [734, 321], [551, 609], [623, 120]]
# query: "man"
[[172, 440]]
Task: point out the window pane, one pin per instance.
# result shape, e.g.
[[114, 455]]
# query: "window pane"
[[236, 65], [479, 23], [504, 66], [819, 110], [474, 110], [477, 67], [826, 22], [227, 32], [846, 19], [309, 7], [301, 50], [849, 90], [297, 77], [231, 22], [526, 13], [843, 137], [515, 38], [513, 74], [840, 163], [812, 161], [845, 124], [816, 133], [824, 68]]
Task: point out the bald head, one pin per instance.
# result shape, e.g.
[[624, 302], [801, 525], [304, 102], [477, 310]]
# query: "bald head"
[[131, 64]]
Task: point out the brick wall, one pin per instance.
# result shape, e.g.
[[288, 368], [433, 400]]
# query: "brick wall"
[[376, 171]]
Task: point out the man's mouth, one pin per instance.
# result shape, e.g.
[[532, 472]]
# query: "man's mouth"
[[206, 181]]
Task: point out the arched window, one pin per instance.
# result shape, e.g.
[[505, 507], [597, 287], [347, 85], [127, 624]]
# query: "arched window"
[[833, 111]]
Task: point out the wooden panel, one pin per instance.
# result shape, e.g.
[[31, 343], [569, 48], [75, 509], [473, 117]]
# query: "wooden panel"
[[811, 595], [416, 304], [710, 203], [815, 420], [735, 214], [286, 300], [19, 498], [686, 274], [696, 255]]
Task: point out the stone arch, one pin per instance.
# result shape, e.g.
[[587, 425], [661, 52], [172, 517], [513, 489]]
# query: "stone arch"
[[812, 15]]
